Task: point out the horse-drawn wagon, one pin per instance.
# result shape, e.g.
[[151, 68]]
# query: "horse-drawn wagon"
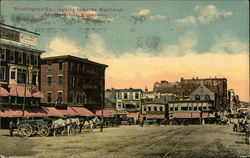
[[26, 128], [47, 126]]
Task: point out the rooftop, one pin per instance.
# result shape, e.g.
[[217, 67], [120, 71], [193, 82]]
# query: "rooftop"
[[16, 28], [73, 58]]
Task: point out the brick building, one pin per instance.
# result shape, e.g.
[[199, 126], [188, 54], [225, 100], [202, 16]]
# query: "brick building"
[[20, 66], [73, 81], [185, 87]]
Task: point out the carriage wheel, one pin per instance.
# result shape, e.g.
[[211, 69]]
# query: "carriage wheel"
[[25, 131], [43, 131]]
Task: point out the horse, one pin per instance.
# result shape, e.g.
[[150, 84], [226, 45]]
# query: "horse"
[[91, 123], [62, 125]]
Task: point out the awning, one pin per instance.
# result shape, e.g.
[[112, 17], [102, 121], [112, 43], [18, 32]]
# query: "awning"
[[17, 90], [4, 92], [35, 113], [106, 113], [67, 112], [182, 115], [193, 115], [81, 111], [10, 112], [18, 112], [155, 116], [38, 94], [133, 115], [51, 111]]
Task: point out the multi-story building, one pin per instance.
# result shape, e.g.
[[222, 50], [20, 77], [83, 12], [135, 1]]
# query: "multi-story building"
[[110, 99], [185, 87], [202, 93], [73, 81], [128, 100], [233, 101], [20, 66], [194, 111], [153, 110]]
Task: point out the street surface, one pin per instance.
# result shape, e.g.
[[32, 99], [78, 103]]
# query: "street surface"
[[133, 141]]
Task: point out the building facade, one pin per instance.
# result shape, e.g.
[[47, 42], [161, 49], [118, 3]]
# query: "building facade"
[[128, 100], [185, 87], [192, 110], [20, 66], [73, 81]]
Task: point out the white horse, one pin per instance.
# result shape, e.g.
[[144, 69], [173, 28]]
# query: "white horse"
[[90, 123], [62, 125]]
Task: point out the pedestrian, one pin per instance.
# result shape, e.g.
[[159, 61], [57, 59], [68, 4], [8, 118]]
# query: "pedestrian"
[[81, 125], [11, 127]]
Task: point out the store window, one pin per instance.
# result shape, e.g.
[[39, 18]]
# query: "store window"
[[21, 76]]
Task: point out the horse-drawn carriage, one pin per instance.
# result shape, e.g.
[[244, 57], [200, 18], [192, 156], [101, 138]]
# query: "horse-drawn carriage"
[[26, 128], [46, 127]]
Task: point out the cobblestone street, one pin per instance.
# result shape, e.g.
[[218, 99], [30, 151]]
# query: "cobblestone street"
[[133, 141]]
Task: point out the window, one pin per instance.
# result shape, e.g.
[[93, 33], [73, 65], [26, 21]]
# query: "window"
[[207, 97], [49, 67], [60, 80], [190, 108], [200, 108], [35, 60], [171, 109], [155, 108], [3, 54], [49, 81], [176, 108], [60, 66], [12, 56], [136, 95], [119, 105], [184, 108], [79, 98], [195, 108], [21, 76], [49, 97], [119, 95], [145, 108], [204, 108], [34, 78], [13, 74], [197, 97], [131, 95], [2, 73], [20, 57], [59, 97], [149, 108], [161, 108], [28, 59], [125, 96]]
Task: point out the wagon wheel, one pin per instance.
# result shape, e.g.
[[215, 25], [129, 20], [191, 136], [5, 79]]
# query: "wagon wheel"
[[25, 131], [43, 131]]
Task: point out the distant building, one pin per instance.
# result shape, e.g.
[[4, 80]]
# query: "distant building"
[[233, 101], [193, 111], [73, 81], [153, 110], [202, 93], [20, 66], [185, 87], [128, 100], [110, 99]]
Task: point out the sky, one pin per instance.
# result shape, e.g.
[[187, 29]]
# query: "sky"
[[144, 41]]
